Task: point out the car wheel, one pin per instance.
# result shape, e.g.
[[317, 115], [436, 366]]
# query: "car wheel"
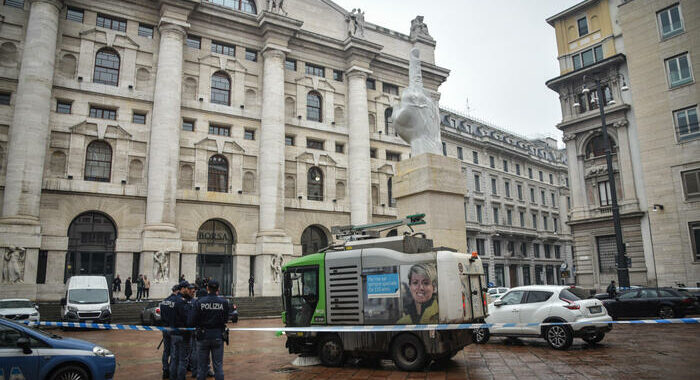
[[559, 337], [481, 336], [666, 312], [69, 373], [330, 351], [408, 352], [595, 338]]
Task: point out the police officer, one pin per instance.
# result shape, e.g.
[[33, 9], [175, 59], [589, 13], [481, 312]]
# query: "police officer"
[[190, 343], [166, 313], [179, 338], [211, 314]]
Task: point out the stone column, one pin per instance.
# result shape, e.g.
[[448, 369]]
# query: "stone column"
[[576, 183], [359, 169]]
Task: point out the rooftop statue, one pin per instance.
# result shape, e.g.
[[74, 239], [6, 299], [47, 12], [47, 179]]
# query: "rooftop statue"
[[356, 23], [416, 119]]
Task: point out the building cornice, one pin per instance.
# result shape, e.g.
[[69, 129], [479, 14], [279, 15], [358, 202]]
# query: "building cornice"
[[593, 69], [569, 11]]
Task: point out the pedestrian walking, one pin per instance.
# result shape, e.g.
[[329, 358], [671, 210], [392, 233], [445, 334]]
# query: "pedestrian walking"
[[210, 316], [146, 286], [167, 313], [182, 278], [612, 289], [139, 288], [251, 287], [127, 288], [178, 338], [117, 285]]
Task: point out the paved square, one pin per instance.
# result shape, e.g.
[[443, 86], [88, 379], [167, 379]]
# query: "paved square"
[[628, 352]]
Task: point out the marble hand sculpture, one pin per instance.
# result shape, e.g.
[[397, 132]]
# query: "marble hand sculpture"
[[416, 120]]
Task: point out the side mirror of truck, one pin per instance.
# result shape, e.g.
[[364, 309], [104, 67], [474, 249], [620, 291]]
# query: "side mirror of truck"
[[497, 302], [63, 302]]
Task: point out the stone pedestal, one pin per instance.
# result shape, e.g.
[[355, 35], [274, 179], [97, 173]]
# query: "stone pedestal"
[[271, 247], [434, 185]]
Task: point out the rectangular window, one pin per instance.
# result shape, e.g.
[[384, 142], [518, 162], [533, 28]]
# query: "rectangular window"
[[566, 179], [393, 156], [582, 27], [338, 75], [607, 249], [686, 121], [460, 154], [494, 186], [145, 30], [220, 130], [557, 252], [551, 179], [555, 223], [541, 176], [522, 219], [670, 21], [318, 71], [103, 113], [388, 88], [497, 248], [695, 239], [554, 198], [138, 118], [477, 183], [500, 275], [314, 144], [547, 251], [289, 140], [195, 42], [188, 125], [520, 192], [678, 70], [371, 84], [444, 149], [532, 195], [475, 157], [544, 198], [604, 193], [479, 217], [63, 106], [5, 98], [249, 134], [480, 247], [492, 162], [15, 3], [529, 172], [505, 166], [290, 64], [539, 275], [517, 169], [568, 202], [339, 148], [111, 22], [509, 217], [587, 57], [534, 221], [223, 48], [691, 184], [75, 14], [41, 267], [536, 250], [251, 55], [526, 275], [506, 186], [372, 152], [544, 222], [495, 216]]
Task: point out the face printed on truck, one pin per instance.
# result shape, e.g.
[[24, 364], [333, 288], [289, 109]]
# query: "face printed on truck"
[[421, 287]]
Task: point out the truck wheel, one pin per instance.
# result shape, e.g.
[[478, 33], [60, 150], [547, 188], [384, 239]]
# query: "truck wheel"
[[481, 336], [69, 372], [559, 337], [330, 351], [408, 352]]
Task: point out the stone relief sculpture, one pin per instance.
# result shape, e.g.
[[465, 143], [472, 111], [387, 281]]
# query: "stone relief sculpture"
[[276, 266], [276, 6], [356, 23], [419, 29], [160, 266], [13, 268], [416, 119]]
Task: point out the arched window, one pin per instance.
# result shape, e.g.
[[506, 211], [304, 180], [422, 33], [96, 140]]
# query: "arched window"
[[313, 106], [91, 242], [315, 184], [215, 257], [387, 119], [218, 174], [98, 161], [247, 6], [220, 89], [313, 239], [596, 147], [106, 67]]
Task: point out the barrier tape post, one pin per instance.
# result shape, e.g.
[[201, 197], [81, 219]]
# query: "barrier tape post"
[[365, 328]]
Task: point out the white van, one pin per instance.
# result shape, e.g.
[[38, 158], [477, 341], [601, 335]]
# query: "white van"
[[87, 300]]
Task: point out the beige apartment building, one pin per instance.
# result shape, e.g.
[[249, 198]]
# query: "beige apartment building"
[[641, 52], [192, 137]]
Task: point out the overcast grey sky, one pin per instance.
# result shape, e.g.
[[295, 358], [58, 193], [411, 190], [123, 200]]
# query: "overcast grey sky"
[[500, 53]]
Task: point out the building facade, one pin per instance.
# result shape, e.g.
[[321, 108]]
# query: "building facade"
[[516, 202], [662, 45], [192, 137]]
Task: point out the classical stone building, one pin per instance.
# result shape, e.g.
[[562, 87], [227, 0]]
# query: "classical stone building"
[[645, 46], [192, 137], [516, 202]]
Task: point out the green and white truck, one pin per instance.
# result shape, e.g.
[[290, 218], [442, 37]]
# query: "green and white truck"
[[365, 280]]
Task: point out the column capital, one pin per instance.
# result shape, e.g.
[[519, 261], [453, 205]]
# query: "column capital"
[[56, 3], [356, 71], [168, 25], [274, 51]]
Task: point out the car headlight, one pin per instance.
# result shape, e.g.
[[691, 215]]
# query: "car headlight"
[[35, 314], [105, 308], [103, 352], [72, 308]]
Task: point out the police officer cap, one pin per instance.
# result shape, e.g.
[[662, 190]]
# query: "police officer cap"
[[190, 286], [184, 284], [176, 287], [213, 284]]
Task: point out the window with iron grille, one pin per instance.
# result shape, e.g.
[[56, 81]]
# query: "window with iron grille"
[[220, 89], [390, 88], [111, 22], [63, 106], [220, 130], [218, 174], [106, 67], [103, 113], [75, 14], [98, 161], [223, 48], [138, 118], [318, 71], [314, 144], [195, 42], [607, 249], [146, 30]]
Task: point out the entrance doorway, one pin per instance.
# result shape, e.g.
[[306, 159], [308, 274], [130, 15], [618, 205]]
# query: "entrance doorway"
[[513, 275], [215, 258], [91, 238]]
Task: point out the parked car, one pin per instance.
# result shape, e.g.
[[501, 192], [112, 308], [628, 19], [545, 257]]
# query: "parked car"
[[687, 292], [19, 309], [30, 353], [650, 302], [620, 290], [496, 293], [233, 310], [151, 313], [542, 304]]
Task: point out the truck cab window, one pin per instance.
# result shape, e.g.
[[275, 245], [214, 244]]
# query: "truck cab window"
[[301, 296]]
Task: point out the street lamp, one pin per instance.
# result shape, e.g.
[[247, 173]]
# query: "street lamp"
[[623, 276]]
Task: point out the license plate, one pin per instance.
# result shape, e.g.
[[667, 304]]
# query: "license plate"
[[595, 309]]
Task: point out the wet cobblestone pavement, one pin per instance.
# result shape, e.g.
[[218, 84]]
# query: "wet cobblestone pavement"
[[628, 352]]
